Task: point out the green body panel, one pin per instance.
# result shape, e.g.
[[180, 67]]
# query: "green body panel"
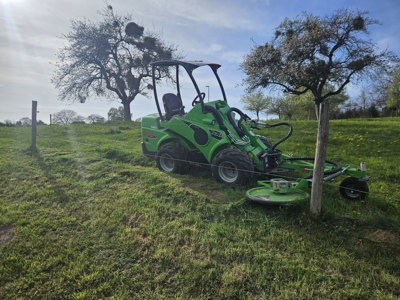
[[187, 129]]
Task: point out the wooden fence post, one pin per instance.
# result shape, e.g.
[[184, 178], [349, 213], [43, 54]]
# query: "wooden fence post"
[[34, 123]]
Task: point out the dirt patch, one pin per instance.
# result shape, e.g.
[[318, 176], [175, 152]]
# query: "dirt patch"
[[6, 233], [384, 236]]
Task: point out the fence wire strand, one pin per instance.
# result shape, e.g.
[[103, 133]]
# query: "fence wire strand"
[[255, 172]]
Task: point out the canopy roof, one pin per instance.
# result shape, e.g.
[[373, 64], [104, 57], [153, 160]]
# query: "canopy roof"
[[188, 65]]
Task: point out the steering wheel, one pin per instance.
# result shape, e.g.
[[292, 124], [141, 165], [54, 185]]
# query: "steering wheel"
[[196, 99]]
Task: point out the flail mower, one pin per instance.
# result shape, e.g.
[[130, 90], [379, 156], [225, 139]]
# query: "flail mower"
[[213, 133]]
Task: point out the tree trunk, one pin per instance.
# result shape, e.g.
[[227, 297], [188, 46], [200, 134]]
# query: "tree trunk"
[[320, 156], [127, 111], [317, 110]]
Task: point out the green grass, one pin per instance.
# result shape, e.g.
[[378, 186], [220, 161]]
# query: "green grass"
[[88, 217]]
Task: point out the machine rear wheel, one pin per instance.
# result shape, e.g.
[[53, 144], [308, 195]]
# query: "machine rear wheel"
[[353, 189], [171, 158], [233, 167]]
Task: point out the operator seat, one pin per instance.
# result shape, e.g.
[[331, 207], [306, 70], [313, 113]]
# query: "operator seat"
[[173, 105]]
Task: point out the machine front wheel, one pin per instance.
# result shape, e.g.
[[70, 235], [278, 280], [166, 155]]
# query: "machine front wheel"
[[352, 188], [232, 167], [171, 158]]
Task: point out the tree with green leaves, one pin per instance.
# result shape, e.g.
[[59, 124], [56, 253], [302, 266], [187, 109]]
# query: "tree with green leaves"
[[116, 114], [256, 102], [309, 53], [393, 101], [109, 59], [301, 107]]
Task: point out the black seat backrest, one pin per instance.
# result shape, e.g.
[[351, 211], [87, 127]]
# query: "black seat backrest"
[[172, 105]]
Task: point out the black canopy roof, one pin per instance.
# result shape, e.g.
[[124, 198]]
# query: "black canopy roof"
[[188, 65]]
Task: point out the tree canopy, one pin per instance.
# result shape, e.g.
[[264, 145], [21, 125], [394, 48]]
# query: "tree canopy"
[[393, 102], [116, 114], [109, 59], [66, 117], [310, 52], [256, 102]]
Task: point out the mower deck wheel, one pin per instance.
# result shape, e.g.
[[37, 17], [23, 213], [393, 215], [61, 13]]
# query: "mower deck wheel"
[[352, 188]]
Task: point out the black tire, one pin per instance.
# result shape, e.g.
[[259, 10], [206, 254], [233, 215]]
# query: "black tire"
[[172, 158], [232, 167], [352, 188]]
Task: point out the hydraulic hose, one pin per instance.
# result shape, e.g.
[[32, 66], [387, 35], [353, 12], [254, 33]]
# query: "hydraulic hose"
[[243, 116], [282, 139]]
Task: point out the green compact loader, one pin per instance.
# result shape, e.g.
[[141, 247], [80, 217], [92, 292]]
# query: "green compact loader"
[[215, 134]]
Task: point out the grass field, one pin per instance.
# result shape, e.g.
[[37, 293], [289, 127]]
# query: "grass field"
[[88, 217]]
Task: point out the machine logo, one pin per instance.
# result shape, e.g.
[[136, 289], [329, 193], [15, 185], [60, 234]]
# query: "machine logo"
[[149, 135]]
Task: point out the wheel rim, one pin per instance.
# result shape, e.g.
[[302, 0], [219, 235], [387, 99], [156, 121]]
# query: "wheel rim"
[[167, 163], [353, 189], [228, 172], [352, 193]]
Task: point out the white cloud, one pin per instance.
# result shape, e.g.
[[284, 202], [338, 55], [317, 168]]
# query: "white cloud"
[[227, 14], [215, 48]]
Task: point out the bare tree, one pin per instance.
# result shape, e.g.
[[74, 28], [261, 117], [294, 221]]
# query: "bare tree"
[[66, 117], [93, 118], [307, 54], [110, 59], [25, 122]]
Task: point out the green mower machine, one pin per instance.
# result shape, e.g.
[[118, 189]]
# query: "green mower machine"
[[215, 134]]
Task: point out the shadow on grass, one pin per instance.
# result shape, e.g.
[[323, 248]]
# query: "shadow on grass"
[[59, 193]]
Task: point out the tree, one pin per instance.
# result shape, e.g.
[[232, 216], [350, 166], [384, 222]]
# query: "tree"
[[79, 120], [309, 53], [93, 118], [116, 114], [284, 107], [363, 100], [24, 122], [301, 106], [110, 59], [66, 117], [256, 102], [277, 107], [393, 101]]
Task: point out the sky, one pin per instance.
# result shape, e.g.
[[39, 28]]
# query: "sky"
[[220, 31]]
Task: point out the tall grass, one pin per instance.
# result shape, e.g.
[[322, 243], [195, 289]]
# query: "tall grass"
[[88, 217]]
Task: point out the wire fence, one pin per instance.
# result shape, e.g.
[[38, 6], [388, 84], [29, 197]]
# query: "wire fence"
[[272, 175]]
